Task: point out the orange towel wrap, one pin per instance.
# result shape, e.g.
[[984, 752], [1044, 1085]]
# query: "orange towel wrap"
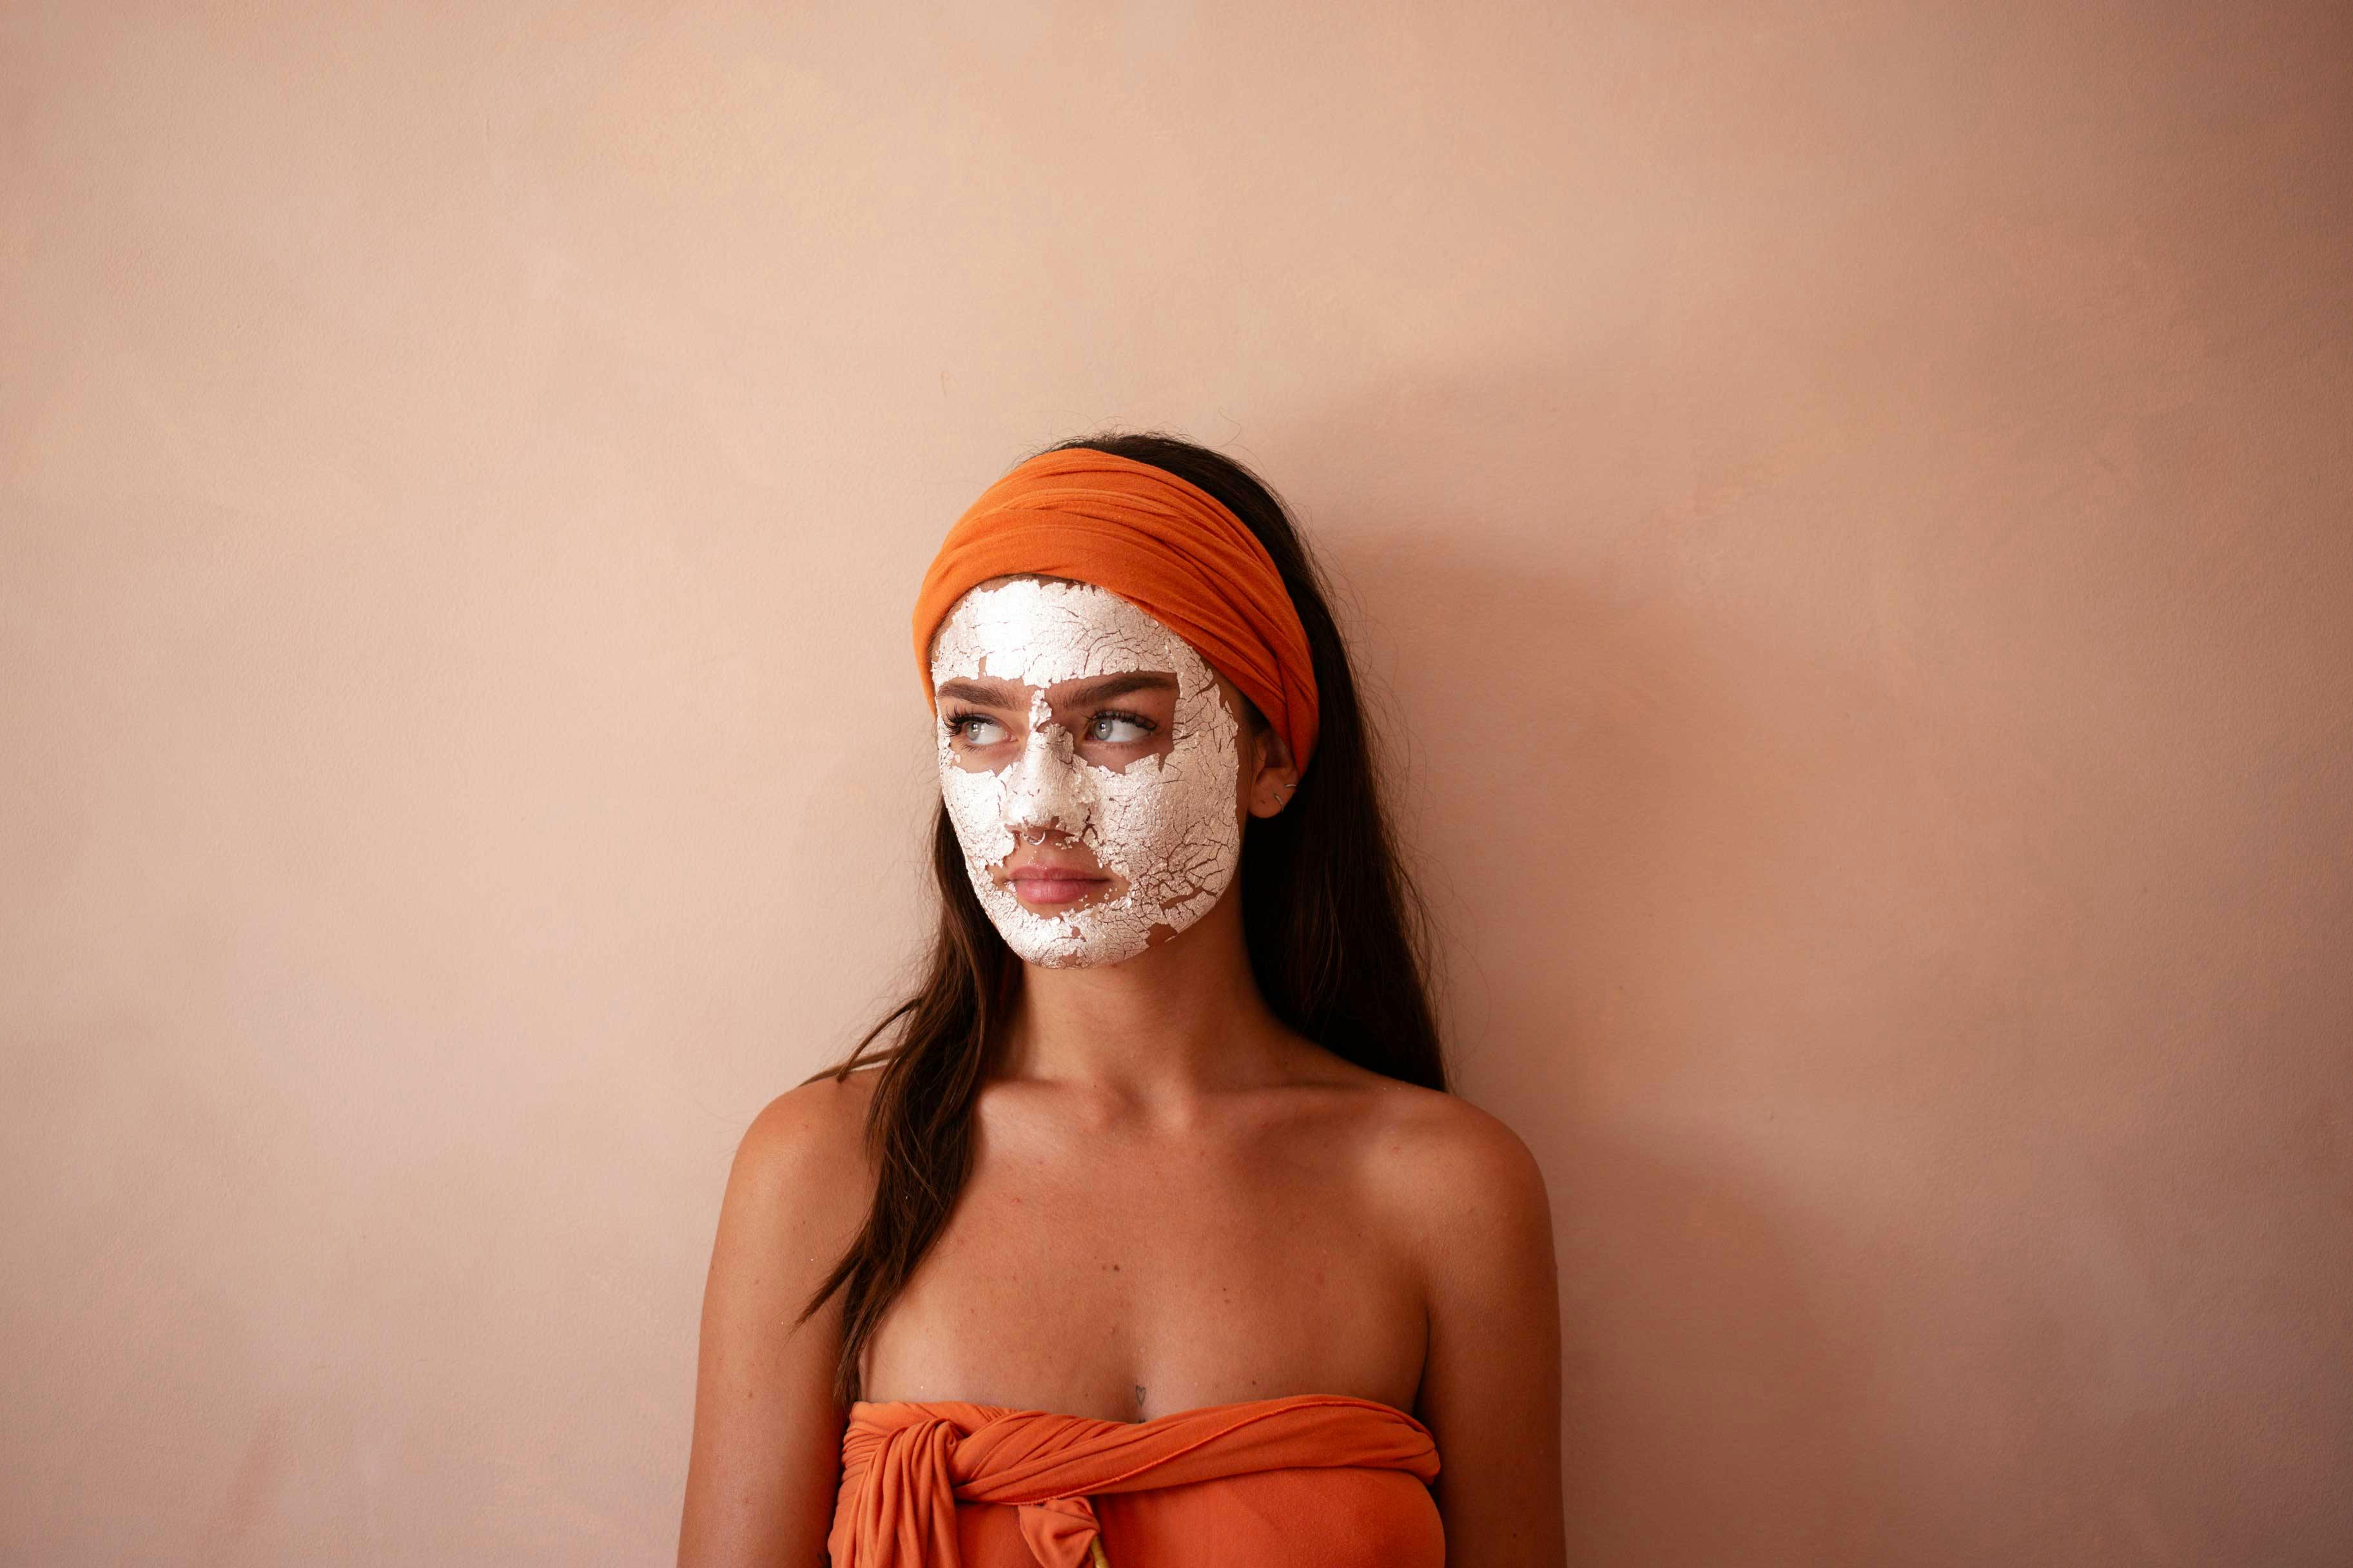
[[1304, 1480], [1164, 545]]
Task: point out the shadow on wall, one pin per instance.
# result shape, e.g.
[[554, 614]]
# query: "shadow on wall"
[[1578, 795]]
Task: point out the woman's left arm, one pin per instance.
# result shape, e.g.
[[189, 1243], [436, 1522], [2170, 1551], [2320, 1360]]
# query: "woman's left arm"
[[1491, 1380]]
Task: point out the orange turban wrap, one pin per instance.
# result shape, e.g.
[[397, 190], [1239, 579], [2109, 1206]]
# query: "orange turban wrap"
[[1165, 546]]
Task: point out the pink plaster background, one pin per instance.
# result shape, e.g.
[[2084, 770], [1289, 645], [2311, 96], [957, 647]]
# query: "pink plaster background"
[[1848, 507]]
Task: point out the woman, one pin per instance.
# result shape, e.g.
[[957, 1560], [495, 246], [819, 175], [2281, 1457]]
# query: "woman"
[[1155, 1238]]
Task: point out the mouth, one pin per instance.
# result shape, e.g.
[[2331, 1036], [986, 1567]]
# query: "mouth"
[[1054, 886]]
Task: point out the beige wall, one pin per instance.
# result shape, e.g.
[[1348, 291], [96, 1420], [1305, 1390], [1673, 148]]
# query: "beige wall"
[[1849, 508]]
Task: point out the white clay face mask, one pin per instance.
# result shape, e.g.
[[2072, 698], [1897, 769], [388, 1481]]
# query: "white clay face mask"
[[1165, 825]]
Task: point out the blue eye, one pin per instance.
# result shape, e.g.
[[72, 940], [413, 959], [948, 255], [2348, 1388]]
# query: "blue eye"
[[973, 729], [1120, 729]]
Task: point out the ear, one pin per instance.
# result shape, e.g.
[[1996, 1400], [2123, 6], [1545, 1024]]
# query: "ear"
[[1276, 779]]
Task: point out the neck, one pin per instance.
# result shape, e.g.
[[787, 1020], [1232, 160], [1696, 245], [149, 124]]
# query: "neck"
[[1181, 1019]]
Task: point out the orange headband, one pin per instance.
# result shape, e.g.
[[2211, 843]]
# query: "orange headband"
[[1165, 546]]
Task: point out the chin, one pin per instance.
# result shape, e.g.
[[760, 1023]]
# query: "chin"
[[1068, 943], [1077, 955]]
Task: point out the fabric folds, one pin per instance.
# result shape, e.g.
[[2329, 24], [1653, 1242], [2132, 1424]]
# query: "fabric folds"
[[906, 1464], [1164, 545]]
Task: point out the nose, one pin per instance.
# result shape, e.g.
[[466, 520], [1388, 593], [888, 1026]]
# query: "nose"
[[1047, 790]]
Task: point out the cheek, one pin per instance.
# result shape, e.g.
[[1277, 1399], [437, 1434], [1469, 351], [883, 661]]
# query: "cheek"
[[975, 804], [1176, 813], [1131, 815]]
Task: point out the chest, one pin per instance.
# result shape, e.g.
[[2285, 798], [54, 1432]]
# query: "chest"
[[1127, 1278]]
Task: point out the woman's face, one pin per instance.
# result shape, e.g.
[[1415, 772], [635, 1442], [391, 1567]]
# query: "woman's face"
[[1091, 765]]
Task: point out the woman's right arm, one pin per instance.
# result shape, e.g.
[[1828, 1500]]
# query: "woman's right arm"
[[767, 1459]]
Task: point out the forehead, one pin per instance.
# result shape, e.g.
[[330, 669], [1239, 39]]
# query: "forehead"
[[1041, 631]]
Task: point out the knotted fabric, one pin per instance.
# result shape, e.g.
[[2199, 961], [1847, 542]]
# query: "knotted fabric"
[[1164, 545], [907, 1464]]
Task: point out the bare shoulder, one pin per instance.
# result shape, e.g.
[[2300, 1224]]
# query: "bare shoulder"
[[1458, 1181], [1470, 1201], [807, 1148], [1458, 1195], [765, 1455]]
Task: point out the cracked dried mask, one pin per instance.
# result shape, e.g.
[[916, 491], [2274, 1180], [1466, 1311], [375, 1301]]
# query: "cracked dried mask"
[[1165, 825]]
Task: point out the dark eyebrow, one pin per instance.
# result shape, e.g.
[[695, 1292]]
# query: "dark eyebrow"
[[987, 693], [1111, 686]]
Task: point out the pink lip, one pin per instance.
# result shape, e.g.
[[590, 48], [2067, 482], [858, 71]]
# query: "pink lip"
[[1050, 885]]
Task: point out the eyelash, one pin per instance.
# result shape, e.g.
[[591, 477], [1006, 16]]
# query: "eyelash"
[[1124, 717], [954, 722]]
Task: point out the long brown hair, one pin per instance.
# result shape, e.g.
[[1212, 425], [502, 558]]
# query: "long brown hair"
[[1336, 936]]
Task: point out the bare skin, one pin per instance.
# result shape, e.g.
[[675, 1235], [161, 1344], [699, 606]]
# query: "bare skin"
[[1175, 1202]]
